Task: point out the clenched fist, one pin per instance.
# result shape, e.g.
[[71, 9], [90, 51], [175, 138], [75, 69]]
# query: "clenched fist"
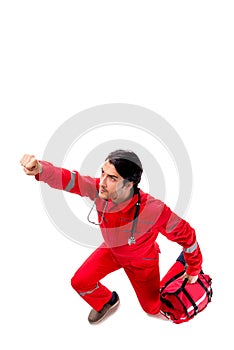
[[31, 165]]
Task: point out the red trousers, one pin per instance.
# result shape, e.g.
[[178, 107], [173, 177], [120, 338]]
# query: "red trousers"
[[142, 273]]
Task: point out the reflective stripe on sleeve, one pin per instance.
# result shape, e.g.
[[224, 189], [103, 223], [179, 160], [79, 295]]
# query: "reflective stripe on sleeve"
[[191, 249], [71, 183]]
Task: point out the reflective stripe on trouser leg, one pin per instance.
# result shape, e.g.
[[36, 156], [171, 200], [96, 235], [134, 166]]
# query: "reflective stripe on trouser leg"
[[82, 294], [191, 249]]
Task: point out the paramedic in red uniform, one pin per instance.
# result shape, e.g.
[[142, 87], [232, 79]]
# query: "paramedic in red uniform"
[[130, 221]]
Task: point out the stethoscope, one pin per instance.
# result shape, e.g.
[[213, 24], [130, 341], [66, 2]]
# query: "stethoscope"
[[131, 239], [103, 213]]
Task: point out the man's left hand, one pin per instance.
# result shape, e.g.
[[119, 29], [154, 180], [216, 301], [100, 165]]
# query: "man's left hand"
[[191, 279]]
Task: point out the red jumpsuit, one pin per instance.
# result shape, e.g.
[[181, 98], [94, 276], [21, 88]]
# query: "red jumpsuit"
[[140, 260]]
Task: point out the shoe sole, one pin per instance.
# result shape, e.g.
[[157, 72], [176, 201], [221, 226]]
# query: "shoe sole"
[[112, 308]]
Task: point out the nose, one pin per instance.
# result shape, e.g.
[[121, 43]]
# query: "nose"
[[103, 181]]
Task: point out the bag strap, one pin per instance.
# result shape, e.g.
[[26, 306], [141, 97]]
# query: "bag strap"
[[209, 293], [184, 283], [172, 279], [188, 296]]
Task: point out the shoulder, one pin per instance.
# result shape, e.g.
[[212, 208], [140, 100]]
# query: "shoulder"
[[148, 199], [151, 205]]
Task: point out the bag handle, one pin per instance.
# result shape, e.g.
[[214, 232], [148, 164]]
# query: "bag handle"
[[184, 283], [172, 279]]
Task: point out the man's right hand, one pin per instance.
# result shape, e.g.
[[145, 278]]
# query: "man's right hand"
[[31, 165]]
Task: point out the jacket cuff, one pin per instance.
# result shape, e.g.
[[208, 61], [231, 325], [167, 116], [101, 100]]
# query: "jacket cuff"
[[47, 169], [190, 271]]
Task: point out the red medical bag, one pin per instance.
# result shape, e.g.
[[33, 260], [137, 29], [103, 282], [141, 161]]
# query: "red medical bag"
[[181, 301]]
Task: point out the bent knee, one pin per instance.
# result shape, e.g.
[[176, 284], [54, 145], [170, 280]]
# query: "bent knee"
[[77, 282], [83, 285]]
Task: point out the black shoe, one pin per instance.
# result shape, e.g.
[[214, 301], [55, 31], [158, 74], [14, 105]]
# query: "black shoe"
[[97, 316]]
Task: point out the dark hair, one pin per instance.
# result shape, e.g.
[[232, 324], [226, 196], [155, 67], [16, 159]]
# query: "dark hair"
[[127, 164]]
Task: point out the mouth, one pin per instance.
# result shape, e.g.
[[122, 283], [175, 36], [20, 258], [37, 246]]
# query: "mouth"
[[102, 190]]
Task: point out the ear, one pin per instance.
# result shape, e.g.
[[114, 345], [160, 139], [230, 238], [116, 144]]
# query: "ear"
[[129, 184]]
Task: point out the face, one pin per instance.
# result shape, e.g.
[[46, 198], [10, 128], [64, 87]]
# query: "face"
[[112, 184]]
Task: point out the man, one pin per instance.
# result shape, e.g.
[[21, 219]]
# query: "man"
[[130, 221]]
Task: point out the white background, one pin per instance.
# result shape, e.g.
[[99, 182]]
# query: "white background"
[[61, 57]]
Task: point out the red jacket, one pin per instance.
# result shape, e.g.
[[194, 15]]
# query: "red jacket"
[[154, 217]]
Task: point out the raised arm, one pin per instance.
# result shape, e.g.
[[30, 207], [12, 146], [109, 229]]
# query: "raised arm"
[[60, 178]]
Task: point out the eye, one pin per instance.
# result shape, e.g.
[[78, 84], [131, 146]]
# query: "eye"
[[113, 179]]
